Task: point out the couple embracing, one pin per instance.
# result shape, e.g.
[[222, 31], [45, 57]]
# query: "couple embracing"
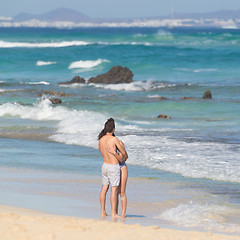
[[114, 169]]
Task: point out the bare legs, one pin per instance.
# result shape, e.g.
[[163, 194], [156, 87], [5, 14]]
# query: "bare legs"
[[103, 199], [114, 195], [113, 200], [122, 190]]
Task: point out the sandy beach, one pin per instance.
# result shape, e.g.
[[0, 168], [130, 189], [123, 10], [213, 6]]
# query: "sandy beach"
[[24, 224]]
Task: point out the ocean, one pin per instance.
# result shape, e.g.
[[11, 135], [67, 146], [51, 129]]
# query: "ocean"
[[198, 147]]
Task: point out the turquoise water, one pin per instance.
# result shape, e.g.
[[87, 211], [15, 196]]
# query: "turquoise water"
[[199, 144]]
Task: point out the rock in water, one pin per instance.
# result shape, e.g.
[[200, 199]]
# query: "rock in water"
[[115, 75], [57, 94], [160, 98], [76, 79], [207, 95], [187, 98], [55, 100], [164, 116]]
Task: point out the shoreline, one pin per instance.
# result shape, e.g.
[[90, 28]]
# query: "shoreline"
[[20, 223], [77, 195]]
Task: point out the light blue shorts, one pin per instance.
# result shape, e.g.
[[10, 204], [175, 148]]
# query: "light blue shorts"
[[110, 174]]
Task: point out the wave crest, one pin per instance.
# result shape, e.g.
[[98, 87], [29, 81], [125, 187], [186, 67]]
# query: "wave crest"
[[43, 63], [87, 64], [39, 83], [4, 44], [134, 86]]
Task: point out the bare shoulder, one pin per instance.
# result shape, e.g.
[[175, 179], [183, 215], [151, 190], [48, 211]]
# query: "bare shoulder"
[[115, 140], [119, 141], [101, 141], [120, 145]]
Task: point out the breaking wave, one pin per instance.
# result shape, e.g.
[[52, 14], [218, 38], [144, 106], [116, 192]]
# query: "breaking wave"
[[215, 161], [4, 44], [39, 83], [42, 63], [134, 86], [87, 64], [9, 90], [205, 70]]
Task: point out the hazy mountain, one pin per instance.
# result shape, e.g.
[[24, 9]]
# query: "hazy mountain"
[[23, 17], [60, 14], [224, 14], [66, 14]]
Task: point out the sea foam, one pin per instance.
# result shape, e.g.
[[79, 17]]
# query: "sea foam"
[[217, 161], [87, 64], [10, 90], [134, 86], [43, 63], [206, 216], [205, 70], [4, 44], [39, 83]]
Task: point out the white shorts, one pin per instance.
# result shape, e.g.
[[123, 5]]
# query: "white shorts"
[[110, 174]]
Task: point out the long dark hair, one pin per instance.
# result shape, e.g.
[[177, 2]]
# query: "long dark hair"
[[108, 127]]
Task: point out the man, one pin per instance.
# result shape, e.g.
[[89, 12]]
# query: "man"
[[108, 146]]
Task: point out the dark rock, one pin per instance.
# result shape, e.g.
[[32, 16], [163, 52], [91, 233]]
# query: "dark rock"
[[55, 100], [164, 116], [160, 98], [57, 94], [115, 75], [187, 98], [76, 79], [207, 95]]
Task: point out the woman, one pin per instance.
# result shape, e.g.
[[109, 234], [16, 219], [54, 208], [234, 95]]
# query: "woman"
[[123, 183]]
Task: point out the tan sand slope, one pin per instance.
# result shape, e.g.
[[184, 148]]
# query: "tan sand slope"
[[23, 224]]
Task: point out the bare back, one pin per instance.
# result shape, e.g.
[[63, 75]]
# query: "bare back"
[[107, 141]]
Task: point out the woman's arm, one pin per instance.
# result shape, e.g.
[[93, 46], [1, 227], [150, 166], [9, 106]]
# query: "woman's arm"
[[118, 156], [124, 149], [121, 148]]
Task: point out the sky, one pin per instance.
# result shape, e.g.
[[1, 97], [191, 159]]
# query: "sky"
[[116, 8]]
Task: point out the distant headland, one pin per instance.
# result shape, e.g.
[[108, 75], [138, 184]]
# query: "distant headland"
[[68, 18]]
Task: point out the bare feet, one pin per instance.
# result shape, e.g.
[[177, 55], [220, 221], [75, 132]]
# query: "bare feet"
[[104, 214]]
